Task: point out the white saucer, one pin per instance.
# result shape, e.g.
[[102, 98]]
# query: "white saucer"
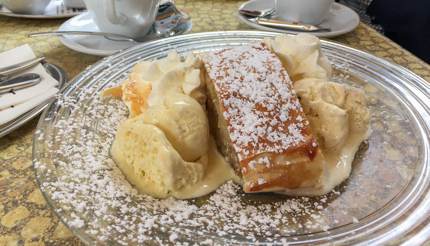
[[55, 10], [340, 20], [100, 46], [92, 45]]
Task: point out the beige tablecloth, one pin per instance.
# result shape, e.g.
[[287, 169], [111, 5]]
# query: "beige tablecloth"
[[25, 218]]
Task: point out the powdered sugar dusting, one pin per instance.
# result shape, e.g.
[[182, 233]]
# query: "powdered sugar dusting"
[[94, 198], [262, 112], [99, 204]]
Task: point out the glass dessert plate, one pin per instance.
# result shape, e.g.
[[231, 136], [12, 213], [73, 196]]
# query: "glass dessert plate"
[[386, 199]]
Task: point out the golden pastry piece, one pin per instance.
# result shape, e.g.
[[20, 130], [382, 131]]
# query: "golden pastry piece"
[[259, 123]]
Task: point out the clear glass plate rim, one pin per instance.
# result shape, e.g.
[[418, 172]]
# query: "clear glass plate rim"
[[219, 35]]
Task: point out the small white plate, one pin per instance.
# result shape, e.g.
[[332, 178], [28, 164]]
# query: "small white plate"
[[100, 46], [55, 10], [340, 20]]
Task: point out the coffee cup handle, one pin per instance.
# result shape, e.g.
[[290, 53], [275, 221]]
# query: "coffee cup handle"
[[110, 12]]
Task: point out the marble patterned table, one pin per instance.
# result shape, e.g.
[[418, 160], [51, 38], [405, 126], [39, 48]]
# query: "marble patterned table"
[[25, 218]]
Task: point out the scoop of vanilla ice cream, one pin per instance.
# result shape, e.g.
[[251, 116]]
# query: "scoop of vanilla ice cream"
[[311, 89], [184, 122], [146, 70], [305, 91], [170, 74], [338, 113], [163, 147], [193, 61], [170, 82], [356, 105], [329, 122], [192, 81], [193, 85], [186, 81], [333, 93], [334, 110], [301, 55], [310, 67], [171, 62], [150, 162], [155, 70], [135, 92]]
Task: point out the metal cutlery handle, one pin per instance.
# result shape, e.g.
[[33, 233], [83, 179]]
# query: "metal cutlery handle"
[[290, 25], [111, 36], [256, 13], [20, 82], [20, 66]]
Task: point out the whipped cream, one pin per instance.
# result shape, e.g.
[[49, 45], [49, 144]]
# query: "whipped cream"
[[301, 55], [164, 149], [338, 113], [172, 153]]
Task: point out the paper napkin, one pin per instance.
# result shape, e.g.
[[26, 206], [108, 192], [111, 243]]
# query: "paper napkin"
[[14, 105]]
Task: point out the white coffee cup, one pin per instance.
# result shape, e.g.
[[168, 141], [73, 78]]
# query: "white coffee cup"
[[304, 11], [133, 18], [74, 3], [34, 7]]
